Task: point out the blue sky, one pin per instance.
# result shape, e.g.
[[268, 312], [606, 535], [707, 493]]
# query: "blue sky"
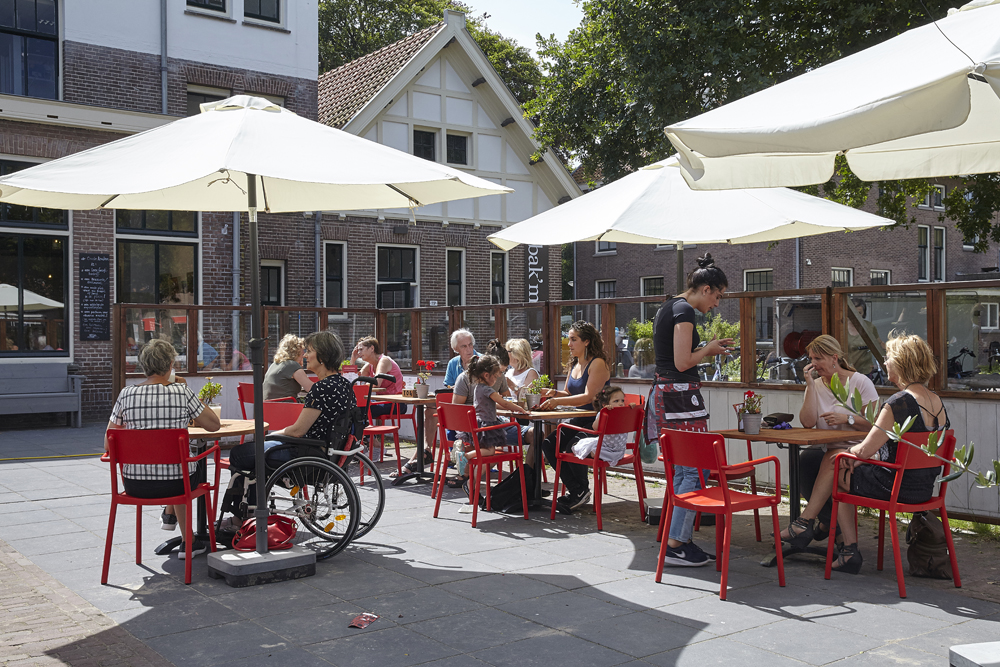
[[521, 19]]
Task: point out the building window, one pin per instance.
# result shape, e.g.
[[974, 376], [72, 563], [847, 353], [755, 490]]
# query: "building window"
[[396, 277], [606, 289], [156, 272], [880, 277], [29, 48], [423, 144], [970, 244], [262, 10], [33, 295], [605, 246], [923, 252], [335, 275], [211, 5], [841, 277], [272, 283], [935, 198], [198, 95], [277, 99], [991, 316], [163, 223], [458, 149], [762, 280], [651, 287], [939, 256], [15, 215], [498, 277], [456, 271]]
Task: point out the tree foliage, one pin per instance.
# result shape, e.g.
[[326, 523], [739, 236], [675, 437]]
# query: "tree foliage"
[[349, 29], [636, 66]]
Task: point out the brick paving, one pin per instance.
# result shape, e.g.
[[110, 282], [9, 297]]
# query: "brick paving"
[[45, 623]]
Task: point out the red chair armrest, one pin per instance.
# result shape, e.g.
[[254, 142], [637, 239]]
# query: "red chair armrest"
[[757, 462], [106, 458], [214, 449], [874, 462], [573, 427]]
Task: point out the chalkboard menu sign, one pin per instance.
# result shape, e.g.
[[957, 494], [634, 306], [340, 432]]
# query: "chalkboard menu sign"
[[95, 296]]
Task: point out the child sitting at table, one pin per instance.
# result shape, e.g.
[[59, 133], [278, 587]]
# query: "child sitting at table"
[[484, 372], [613, 447]]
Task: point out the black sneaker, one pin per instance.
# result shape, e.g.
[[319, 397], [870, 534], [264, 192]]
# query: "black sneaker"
[[571, 501], [168, 521], [686, 556], [697, 549], [197, 549]]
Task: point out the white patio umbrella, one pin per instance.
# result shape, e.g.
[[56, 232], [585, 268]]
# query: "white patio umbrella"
[[32, 301], [655, 205], [242, 154], [922, 104]]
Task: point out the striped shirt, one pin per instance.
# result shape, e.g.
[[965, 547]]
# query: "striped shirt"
[[156, 406]]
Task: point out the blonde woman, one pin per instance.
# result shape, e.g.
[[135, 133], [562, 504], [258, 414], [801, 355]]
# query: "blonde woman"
[[286, 377], [521, 372], [822, 410]]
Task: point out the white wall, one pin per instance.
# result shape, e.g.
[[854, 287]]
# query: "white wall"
[[134, 25]]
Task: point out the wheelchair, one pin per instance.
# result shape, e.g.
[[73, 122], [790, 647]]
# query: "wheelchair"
[[331, 488]]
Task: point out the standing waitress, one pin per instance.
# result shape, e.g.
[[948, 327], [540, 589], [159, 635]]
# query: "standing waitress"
[[675, 399]]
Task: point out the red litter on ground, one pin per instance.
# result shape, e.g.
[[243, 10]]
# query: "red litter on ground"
[[363, 620]]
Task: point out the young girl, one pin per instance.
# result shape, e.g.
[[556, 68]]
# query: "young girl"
[[613, 447], [484, 372]]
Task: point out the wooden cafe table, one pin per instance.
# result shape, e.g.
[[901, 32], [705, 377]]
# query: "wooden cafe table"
[[794, 438], [419, 473], [231, 428], [538, 419]]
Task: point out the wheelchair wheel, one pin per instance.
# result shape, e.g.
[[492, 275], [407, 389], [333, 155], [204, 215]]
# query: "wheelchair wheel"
[[321, 498], [371, 494]]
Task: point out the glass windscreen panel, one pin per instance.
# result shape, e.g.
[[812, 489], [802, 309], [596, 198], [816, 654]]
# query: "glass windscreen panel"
[[435, 338], [145, 324], [398, 344], [973, 339], [720, 322], [871, 318], [634, 354], [351, 327], [785, 326], [567, 316], [482, 325], [526, 325]]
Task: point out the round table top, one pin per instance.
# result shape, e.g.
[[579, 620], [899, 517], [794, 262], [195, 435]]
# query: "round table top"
[[230, 428]]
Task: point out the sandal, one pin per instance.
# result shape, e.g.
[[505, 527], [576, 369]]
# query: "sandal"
[[848, 560], [405, 471], [800, 533], [821, 533], [456, 482]]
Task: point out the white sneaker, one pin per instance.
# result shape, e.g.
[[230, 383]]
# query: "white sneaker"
[[197, 549]]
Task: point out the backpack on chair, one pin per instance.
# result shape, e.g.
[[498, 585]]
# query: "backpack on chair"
[[927, 552]]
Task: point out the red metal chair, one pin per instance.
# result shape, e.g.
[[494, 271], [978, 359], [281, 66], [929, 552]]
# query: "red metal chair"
[[244, 392], [443, 449], [613, 421], [708, 451], [159, 447], [907, 458], [463, 418], [280, 414], [374, 431]]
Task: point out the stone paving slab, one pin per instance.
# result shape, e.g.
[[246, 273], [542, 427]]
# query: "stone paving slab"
[[510, 592]]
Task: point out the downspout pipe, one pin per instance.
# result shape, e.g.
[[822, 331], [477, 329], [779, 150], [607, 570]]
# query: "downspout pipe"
[[798, 263], [163, 57], [319, 264]]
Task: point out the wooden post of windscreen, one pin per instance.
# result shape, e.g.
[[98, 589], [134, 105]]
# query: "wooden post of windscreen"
[[937, 335], [748, 339], [118, 347], [416, 340]]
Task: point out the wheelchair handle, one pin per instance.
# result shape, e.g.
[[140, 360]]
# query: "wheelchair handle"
[[385, 376], [365, 379]]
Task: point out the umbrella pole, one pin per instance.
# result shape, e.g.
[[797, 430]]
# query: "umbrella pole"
[[681, 285], [257, 361]]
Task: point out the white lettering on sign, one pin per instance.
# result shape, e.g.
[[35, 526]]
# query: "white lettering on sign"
[[535, 273]]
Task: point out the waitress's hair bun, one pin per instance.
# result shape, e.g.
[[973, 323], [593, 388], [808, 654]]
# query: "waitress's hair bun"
[[707, 273]]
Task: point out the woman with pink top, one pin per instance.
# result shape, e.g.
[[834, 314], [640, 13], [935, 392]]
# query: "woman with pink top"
[[369, 351]]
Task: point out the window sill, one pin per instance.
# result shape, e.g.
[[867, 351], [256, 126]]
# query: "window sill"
[[276, 27], [210, 15], [606, 254]]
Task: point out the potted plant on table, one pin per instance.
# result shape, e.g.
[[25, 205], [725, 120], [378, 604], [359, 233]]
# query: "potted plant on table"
[[532, 396], [423, 375], [751, 412], [208, 394]]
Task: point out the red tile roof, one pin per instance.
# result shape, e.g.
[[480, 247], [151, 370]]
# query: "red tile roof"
[[344, 91]]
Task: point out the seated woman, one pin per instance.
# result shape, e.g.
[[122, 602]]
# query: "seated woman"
[[285, 377], [821, 409], [160, 402], [911, 365], [375, 363], [330, 396], [229, 357], [521, 372]]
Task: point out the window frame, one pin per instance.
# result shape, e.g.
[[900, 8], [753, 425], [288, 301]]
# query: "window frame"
[[924, 261], [170, 233], [434, 146], [156, 242], [887, 272], [217, 95], [68, 323], [343, 275], [765, 322], [414, 285], [54, 38], [992, 316], [468, 145], [461, 276], [611, 248], [643, 292], [929, 202], [282, 286], [850, 275], [599, 283], [203, 7], [940, 252], [276, 22], [506, 277], [34, 224]]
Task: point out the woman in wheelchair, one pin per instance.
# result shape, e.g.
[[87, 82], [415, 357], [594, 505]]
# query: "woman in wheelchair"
[[328, 399]]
